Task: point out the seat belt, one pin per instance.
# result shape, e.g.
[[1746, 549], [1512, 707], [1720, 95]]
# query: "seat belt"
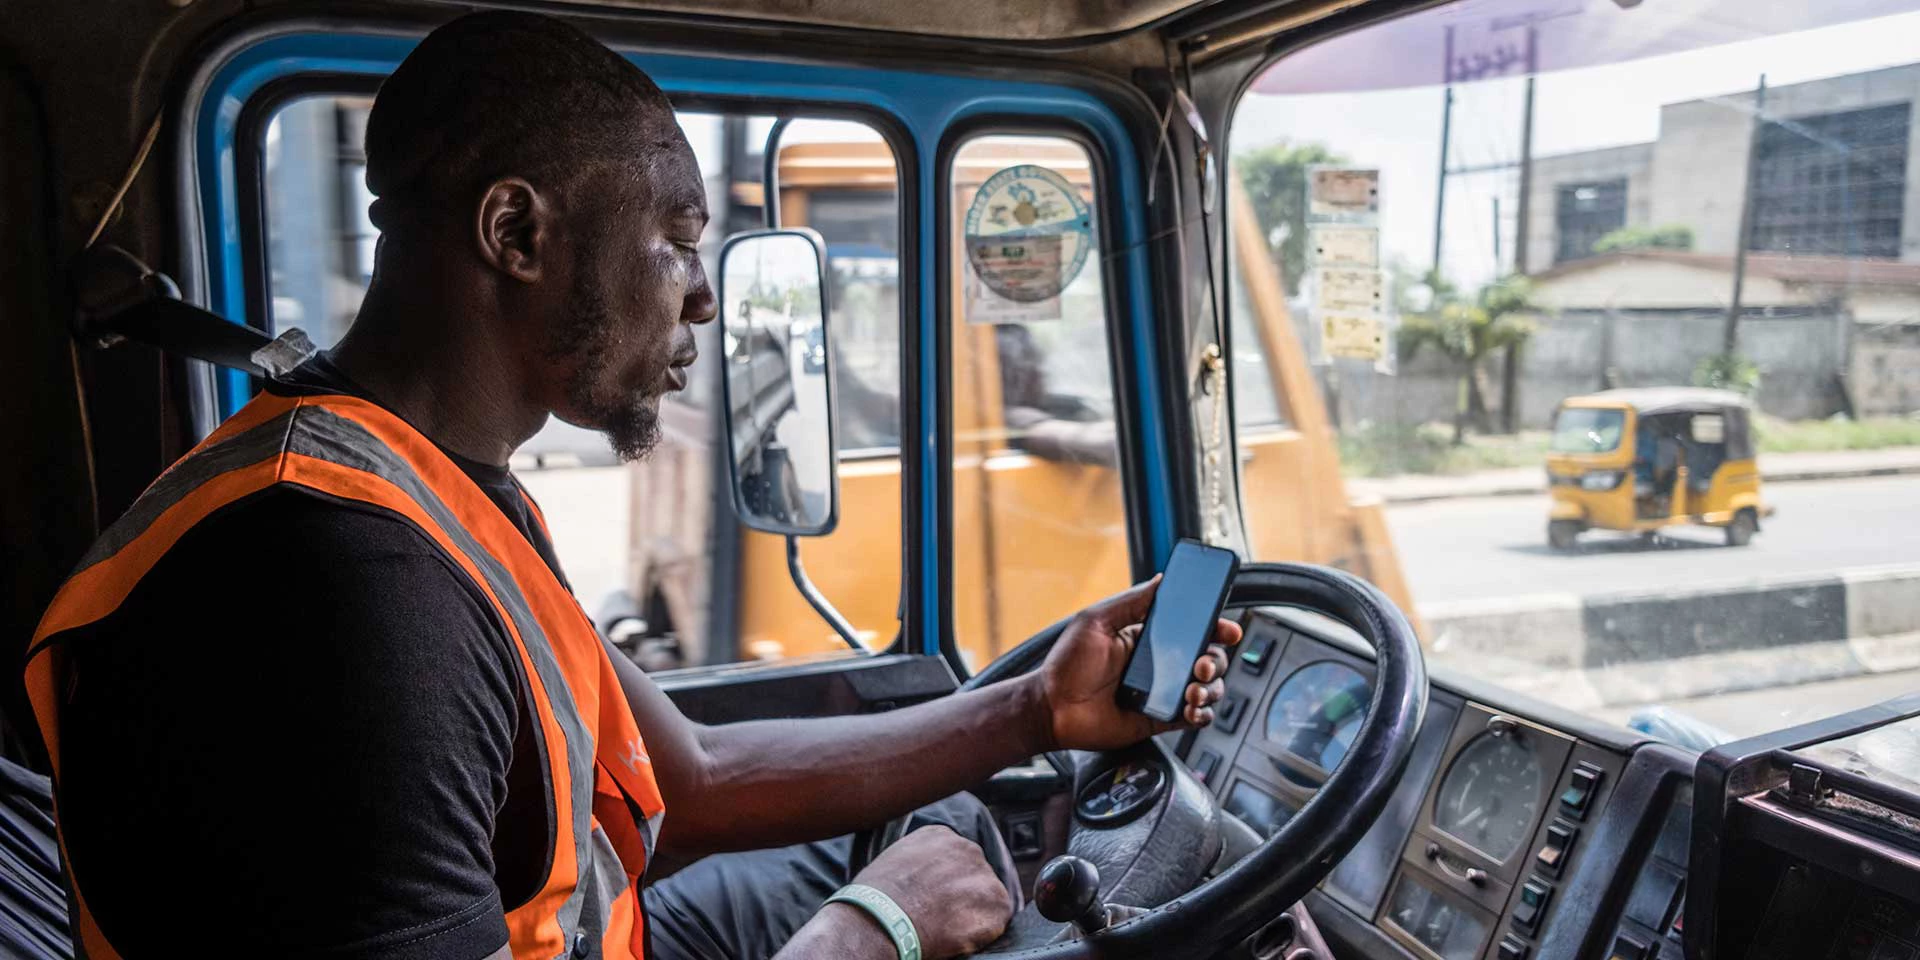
[[121, 298]]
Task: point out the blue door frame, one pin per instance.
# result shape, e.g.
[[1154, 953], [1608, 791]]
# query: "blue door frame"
[[924, 105]]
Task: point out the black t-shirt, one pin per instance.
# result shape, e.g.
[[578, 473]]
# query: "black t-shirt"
[[305, 733]]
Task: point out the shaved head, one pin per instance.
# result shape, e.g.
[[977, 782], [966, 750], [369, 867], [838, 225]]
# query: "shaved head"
[[508, 94], [539, 205]]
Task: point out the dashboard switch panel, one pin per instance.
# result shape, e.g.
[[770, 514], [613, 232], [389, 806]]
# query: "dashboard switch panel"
[[1627, 948], [1257, 653], [1226, 719], [1205, 766], [1553, 852], [1580, 790], [1531, 906]]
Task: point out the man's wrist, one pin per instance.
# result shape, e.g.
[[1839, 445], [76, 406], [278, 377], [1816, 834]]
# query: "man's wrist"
[[852, 932], [1035, 713]]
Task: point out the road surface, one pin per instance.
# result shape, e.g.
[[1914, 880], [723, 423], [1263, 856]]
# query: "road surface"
[[1760, 711], [1488, 547]]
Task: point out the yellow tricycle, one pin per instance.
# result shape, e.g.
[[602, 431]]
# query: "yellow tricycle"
[[1642, 459]]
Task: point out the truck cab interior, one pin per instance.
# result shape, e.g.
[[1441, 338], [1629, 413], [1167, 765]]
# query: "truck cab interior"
[[982, 452]]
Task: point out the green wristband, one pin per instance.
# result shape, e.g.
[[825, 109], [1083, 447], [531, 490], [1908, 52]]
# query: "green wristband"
[[892, 919]]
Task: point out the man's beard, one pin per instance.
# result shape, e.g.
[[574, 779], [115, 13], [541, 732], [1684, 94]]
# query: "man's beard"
[[582, 343]]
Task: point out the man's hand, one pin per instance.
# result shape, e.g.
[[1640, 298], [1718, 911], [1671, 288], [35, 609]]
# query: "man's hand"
[[941, 879], [1081, 676]]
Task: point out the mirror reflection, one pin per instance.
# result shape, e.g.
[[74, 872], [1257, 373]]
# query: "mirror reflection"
[[772, 310]]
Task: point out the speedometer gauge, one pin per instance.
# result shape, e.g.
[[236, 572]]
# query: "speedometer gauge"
[[1318, 710], [1491, 795]]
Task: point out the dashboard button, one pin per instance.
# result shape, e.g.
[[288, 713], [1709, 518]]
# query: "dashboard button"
[[1531, 906], [1205, 766], [1553, 853], [1254, 656], [1226, 718], [1511, 949], [1579, 793], [1627, 948]]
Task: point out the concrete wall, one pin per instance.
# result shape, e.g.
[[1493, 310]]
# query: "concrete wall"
[[1885, 372], [1634, 162], [1699, 168], [1571, 353]]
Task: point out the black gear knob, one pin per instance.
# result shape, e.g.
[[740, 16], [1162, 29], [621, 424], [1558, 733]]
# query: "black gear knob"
[[1068, 891]]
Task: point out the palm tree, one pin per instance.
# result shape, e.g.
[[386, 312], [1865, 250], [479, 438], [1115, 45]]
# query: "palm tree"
[[1466, 331]]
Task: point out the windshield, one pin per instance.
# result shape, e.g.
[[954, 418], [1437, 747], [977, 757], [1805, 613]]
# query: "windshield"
[[1586, 430], [1446, 225]]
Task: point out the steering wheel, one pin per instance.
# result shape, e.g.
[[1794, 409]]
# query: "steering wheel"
[[1150, 858]]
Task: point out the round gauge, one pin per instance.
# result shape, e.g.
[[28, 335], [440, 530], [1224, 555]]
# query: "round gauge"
[[1491, 795], [1120, 794], [1317, 711]]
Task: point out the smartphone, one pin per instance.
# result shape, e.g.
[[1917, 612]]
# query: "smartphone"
[[1179, 624]]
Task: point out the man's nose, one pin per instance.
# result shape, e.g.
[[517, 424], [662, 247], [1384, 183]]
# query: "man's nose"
[[701, 305]]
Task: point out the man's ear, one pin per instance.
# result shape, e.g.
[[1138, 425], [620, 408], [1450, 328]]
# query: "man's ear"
[[513, 228]]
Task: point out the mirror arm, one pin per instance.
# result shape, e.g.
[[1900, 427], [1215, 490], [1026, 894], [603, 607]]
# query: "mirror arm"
[[818, 600], [770, 174]]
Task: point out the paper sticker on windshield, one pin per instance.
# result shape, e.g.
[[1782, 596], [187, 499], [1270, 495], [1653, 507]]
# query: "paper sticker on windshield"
[[1027, 234]]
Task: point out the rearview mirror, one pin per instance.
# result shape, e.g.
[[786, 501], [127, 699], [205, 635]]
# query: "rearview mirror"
[[778, 387]]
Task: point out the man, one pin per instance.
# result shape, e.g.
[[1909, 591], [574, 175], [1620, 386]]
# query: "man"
[[401, 738]]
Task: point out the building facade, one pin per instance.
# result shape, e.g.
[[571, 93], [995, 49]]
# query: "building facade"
[[1833, 171]]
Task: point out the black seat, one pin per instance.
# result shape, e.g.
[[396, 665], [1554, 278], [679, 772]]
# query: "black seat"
[[33, 900]]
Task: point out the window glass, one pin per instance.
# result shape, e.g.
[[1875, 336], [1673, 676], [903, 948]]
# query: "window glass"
[[1449, 225], [1039, 524], [1583, 430], [641, 543]]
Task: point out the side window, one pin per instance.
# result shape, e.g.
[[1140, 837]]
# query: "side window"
[[1039, 522], [644, 543]]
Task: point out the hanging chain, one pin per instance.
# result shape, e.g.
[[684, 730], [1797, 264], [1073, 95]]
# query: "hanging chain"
[[1214, 373]]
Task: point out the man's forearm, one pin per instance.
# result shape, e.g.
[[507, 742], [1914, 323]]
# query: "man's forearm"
[[773, 782], [838, 932]]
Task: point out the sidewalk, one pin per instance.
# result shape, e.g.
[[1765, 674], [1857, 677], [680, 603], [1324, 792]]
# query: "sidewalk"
[[1774, 467]]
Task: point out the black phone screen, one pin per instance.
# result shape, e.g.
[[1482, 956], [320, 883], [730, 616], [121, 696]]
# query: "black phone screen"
[[1178, 626]]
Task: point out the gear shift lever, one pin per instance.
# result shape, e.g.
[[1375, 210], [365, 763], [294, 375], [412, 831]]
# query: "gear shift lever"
[[1068, 891]]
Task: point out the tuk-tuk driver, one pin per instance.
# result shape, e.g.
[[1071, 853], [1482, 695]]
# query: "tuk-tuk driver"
[[317, 718]]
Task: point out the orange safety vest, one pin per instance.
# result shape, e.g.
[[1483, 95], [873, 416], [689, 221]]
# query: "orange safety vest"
[[605, 804]]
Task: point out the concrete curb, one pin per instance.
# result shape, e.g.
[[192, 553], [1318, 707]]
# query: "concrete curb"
[[1606, 650], [1429, 490]]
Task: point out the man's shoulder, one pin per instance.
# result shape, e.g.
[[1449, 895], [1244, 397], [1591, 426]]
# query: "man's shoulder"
[[287, 523]]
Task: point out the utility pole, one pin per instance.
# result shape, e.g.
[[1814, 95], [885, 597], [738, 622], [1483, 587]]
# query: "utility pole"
[[1446, 134], [1525, 208], [1730, 335], [1496, 233]]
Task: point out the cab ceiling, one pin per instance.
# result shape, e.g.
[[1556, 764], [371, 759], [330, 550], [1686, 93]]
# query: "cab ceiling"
[[1054, 20]]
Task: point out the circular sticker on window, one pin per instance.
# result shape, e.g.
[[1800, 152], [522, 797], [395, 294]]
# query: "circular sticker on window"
[[1028, 233]]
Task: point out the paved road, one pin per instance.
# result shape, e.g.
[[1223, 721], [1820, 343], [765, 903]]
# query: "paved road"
[[1759, 711], [1491, 547]]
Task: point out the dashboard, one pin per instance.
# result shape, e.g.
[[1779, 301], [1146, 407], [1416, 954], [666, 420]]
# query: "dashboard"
[[1512, 831]]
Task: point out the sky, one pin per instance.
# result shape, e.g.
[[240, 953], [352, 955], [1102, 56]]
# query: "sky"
[[1575, 110]]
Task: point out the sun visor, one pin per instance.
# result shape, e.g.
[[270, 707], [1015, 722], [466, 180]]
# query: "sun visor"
[[1485, 39]]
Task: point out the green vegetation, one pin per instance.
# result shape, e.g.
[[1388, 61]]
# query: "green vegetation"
[[1839, 433], [1727, 371], [1672, 236], [1466, 332], [1386, 450], [1276, 180]]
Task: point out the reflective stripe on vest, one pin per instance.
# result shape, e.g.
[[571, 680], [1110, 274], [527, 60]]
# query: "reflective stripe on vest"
[[606, 807]]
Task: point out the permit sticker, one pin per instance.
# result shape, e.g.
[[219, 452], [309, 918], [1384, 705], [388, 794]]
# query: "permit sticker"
[[1338, 193], [1028, 234], [1353, 336], [1345, 246]]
